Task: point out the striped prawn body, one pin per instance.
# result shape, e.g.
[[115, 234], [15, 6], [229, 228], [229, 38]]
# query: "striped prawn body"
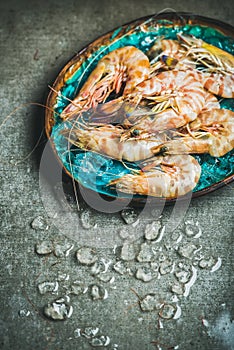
[[127, 65], [168, 177]]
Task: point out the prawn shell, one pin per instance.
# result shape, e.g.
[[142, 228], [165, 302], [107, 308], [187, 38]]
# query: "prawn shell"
[[171, 19]]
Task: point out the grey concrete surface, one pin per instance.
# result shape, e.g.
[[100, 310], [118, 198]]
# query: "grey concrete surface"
[[37, 39]]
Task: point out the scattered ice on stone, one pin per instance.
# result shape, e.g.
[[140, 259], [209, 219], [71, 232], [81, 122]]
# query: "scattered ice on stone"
[[178, 312], [176, 236], [77, 333], [62, 250], [97, 267], [217, 265], [46, 287], [24, 313], [161, 257], [210, 263], [152, 230], [62, 276], [191, 282], [105, 277], [58, 310], [177, 289], [120, 267], [128, 252], [100, 267], [87, 219], [76, 288], [161, 233], [106, 264], [167, 311], [44, 247], [98, 292], [192, 229], [160, 324], [103, 340], [129, 215], [166, 267], [149, 302], [146, 253], [174, 298], [154, 266], [89, 332], [205, 323], [39, 223], [183, 276], [86, 256], [145, 274], [207, 263], [187, 250]]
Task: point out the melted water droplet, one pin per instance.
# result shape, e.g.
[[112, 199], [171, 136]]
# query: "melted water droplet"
[[39, 223], [152, 230], [191, 282], [77, 333], [86, 256], [127, 252], [187, 250], [183, 276], [149, 303], [192, 229], [178, 312], [161, 257], [44, 247], [98, 292], [58, 310], [77, 288], [129, 215], [146, 253], [176, 236], [166, 267], [154, 266], [145, 274], [210, 263], [62, 250], [177, 289], [46, 287], [24, 313], [167, 311], [217, 265], [105, 277], [89, 332], [103, 340], [62, 276], [120, 267], [87, 220]]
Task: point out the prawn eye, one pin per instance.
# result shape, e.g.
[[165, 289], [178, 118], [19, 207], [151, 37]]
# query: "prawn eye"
[[163, 149], [135, 132], [169, 61]]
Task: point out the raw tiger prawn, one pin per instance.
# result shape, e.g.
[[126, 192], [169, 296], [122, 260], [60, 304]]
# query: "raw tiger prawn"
[[107, 140], [217, 75], [212, 132], [168, 177], [124, 65]]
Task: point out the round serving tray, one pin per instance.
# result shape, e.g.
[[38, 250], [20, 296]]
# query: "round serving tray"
[[69, 81]]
